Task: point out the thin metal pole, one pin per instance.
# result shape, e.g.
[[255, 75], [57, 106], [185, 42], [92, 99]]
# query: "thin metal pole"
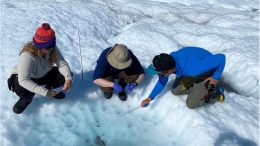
[[80, 57], [129, 111]]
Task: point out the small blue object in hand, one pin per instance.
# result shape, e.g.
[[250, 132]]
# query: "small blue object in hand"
[[117, 87], [131, 86], [147, 104], [58, 90]]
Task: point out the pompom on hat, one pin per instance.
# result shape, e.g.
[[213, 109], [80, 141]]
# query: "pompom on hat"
[[44, 37]]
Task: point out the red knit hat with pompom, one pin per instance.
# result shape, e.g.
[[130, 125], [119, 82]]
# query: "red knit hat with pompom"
[[44, 37]]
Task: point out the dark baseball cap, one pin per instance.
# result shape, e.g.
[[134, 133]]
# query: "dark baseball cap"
[[161, 63]]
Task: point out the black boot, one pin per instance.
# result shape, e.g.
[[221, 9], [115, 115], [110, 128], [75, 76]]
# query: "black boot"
[[122, 96], [60, 95], [21, 105], [108, 94], [215, 93]]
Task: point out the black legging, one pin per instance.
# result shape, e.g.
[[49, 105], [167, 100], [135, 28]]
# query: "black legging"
[[53, 79]]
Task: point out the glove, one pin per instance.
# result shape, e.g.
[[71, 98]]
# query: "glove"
[[130, 87], [10, 82], [117, 87]]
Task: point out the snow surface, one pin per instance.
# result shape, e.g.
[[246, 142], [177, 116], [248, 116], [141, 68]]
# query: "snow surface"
[[147, 27]]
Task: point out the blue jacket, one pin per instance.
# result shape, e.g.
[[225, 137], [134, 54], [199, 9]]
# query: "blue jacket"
[[192, 62], [104, 69]]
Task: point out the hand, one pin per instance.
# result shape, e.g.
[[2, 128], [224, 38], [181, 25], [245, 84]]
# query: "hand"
[[51, 93], [131, 86], [146, 102], [211, 81], [67, 85], [117, 87]]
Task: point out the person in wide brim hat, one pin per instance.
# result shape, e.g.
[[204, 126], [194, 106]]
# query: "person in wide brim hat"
[[195, 69], [119, 57], [119, 70]]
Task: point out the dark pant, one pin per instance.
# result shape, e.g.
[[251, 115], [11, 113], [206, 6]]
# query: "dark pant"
[[193, 86], [124, 79], [53, 79]]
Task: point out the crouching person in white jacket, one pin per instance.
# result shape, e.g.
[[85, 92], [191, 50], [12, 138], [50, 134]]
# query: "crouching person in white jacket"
[[36, 68]]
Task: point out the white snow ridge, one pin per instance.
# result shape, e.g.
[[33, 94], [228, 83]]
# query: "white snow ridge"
[[147, 27]]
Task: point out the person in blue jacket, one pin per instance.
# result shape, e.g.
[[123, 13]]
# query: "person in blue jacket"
[[193, 67], [119, 70]]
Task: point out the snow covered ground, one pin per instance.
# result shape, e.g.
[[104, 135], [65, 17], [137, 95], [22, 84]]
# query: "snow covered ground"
[[147, 27]]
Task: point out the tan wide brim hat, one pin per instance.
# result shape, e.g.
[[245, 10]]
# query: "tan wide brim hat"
[[119, 57]]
